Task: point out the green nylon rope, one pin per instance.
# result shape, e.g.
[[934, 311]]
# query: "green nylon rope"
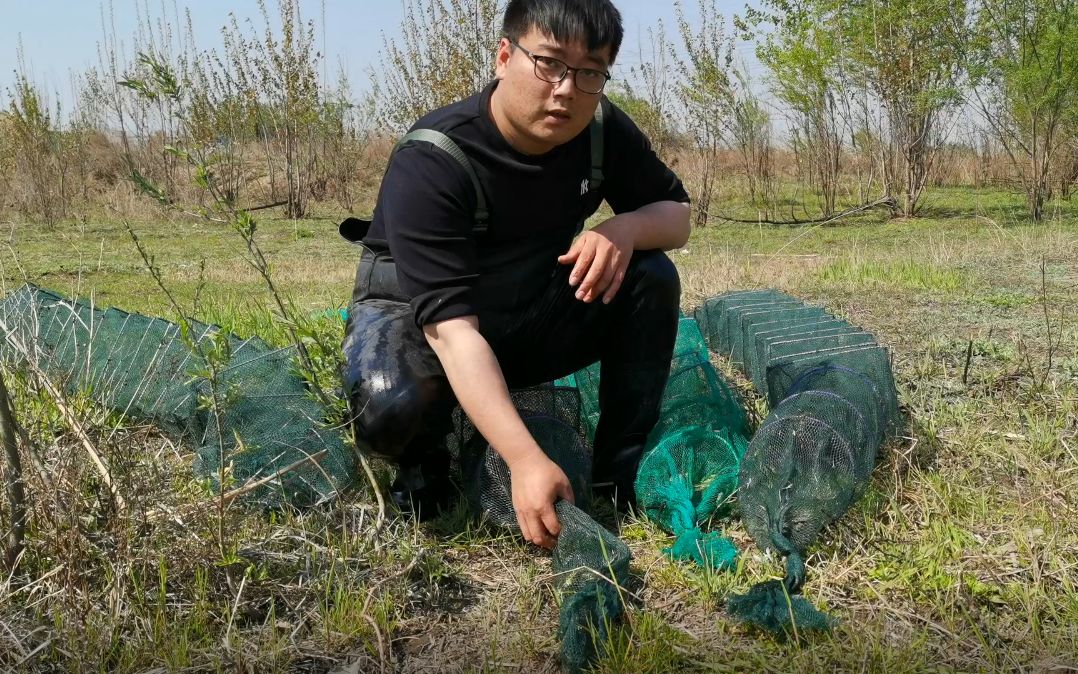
[[774, 605]]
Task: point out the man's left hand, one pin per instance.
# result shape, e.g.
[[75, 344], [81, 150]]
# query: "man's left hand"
[[600, 257]]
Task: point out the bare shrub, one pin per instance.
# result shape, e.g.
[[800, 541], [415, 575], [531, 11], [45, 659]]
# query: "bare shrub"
[[750, 134], [445, 52], [703, 90], [37, 148]]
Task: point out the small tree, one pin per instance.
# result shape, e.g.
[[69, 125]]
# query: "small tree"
[[802, 54], [911, 55], [648, 91], [750, 134], [277, 75], [1027, 83], [643, 113], [145, 125]]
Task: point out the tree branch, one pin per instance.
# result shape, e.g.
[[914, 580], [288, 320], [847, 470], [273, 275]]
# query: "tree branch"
[[885, 201]]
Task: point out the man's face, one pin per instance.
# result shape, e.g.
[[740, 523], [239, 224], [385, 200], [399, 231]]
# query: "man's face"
[[541, 115]]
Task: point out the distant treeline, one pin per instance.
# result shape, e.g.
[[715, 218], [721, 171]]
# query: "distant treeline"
[[878, 100]]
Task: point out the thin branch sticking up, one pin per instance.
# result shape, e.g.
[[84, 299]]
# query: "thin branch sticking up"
[[16, 491], [69, 417]]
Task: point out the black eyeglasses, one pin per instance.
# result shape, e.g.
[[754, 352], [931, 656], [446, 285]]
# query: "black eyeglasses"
[[550, 69]]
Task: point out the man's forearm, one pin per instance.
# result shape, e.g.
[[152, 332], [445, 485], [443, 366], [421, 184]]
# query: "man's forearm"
[[478, 382], [663, 225]]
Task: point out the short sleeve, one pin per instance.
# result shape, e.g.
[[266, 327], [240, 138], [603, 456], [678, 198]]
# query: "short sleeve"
[[634, 176], [427, 207]]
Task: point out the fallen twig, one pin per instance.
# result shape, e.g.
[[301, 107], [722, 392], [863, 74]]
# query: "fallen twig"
[[84, 438], [234, 494], [886, 201]]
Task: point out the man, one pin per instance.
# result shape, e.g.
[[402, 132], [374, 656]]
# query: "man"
[[522, 302]]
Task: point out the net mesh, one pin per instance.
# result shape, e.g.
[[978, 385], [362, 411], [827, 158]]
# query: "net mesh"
[[870, 364], [552, 416], [778, 350], [833, 403], [586, 381], [691, 462], [690, 465], [691, 459], [711, 315], [592, 566], [759, 335], [684, 481], [695, 393], [140, 366], [740, 322]]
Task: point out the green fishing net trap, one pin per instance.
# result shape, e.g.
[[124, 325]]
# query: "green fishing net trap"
[[269, 429], [828, 384], [689, 470], [833, 404]]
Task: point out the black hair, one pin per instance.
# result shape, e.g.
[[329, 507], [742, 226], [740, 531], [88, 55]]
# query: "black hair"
[[596, 23]]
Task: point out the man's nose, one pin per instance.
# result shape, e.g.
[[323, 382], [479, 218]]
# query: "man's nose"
[[566, 88]]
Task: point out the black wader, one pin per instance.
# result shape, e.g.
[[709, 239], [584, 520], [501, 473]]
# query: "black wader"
[[402, 403]]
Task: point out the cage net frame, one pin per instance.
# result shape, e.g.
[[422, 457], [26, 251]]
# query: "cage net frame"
[[833, 404], [709, 314], [758, 337], [873, 362], [274, 432], [777, 351], [734, 318], [712, 314], [758, 333], [741, 320], [552, 415]]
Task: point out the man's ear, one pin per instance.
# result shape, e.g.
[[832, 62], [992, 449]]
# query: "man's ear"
[[501, 59]]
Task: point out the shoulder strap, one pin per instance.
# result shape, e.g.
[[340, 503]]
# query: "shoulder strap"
[[446, 144], [596, 127]]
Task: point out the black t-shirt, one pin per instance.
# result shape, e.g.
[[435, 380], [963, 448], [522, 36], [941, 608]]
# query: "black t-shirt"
[[426, 207]]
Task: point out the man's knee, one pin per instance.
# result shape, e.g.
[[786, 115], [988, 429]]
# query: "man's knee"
[[395, 388], [388, 418], [655, 275]]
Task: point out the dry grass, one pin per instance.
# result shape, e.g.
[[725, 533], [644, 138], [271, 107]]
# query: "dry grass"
[[960, 556]]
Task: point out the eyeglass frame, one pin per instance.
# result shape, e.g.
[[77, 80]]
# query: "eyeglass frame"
[[568, 69]]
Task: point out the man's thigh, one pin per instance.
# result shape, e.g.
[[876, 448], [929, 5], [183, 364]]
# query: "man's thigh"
[[558, 334]]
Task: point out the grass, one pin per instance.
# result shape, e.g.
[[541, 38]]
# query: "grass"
[[959, 557], [902, 273]]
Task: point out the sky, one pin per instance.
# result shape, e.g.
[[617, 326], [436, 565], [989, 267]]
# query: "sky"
[[60, 36]]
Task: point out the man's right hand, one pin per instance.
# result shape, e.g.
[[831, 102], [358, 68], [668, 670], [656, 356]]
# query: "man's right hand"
[[478, 382], [538, 482]]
